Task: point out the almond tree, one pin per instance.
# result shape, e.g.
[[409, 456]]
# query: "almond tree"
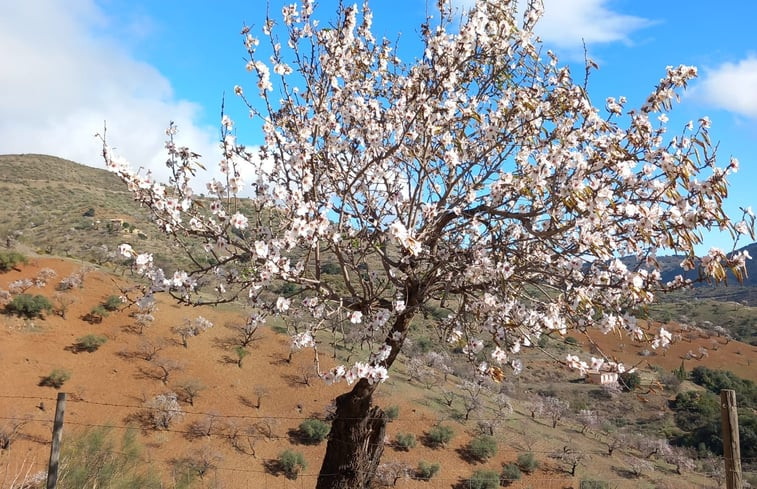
[[190, 328], [478, 178]]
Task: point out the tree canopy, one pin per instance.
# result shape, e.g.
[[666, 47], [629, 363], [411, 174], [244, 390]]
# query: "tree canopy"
[[479, 177]]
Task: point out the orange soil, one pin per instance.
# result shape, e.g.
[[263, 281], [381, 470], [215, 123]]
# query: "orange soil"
[[107, 388]]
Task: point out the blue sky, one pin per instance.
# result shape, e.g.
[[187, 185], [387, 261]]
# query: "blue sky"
[[69, 65]]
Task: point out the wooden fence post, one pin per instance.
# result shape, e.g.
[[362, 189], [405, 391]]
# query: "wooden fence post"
[[52, 467], [731, 452]]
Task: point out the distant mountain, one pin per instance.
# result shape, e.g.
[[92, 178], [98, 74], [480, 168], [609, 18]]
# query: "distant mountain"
[[671, 266]]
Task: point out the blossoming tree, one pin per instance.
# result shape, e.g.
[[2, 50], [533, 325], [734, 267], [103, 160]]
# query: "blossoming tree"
[[478, 177]]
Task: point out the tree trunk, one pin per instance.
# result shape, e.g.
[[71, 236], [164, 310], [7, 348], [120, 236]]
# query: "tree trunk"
[[356, 441]]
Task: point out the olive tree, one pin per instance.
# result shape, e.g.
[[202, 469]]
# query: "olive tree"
[[478, 177]]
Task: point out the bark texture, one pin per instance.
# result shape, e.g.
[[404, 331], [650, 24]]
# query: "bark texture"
[[356, 441]]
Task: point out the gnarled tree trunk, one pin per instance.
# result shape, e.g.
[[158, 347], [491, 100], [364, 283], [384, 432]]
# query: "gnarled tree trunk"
[[356, 441]]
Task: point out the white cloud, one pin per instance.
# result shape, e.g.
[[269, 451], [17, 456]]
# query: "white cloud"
[[731, 86], [567, 24], [61, 78]]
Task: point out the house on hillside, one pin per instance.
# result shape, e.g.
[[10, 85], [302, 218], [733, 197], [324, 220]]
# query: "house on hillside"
[[601, 378]]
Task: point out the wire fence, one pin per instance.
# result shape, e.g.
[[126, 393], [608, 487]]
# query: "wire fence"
[[219, 475]]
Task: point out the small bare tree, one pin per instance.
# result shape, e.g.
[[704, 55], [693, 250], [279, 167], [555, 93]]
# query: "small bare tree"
[[306, 373], [260, 392], [588, 419], [10, 429], [638, 466], [448, 395], [389, 473], [61, 302], [163, 368], [204, 427], [267, 427], [554, 408], [187, 390], [472, 396], [245, 333], [570, 458], [190, 328], [148, 348], [163, 410], [243, 438], [616, 440]]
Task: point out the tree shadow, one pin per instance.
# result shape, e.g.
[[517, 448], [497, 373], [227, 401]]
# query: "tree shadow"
[[623, 472], [146, 373], [142, 419], [247, 402], [273, 467], [297, 437], [131, 329], [228, 360], [428, 442], [295, 381], [462, 483], [465, 454]]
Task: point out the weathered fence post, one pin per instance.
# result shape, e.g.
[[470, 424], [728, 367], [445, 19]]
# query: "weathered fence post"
[[731, 452], [52, 467]]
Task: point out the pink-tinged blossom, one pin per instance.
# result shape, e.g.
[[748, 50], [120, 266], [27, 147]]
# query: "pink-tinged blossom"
[[474, 346], [303, 340], [499, 356], [143, 262], [239, 221]]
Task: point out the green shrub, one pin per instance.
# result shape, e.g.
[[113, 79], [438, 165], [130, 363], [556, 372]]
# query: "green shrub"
[[10, 259], [484, 479], [313, 430], [330, 268], [404, 441], [90, 342], [292, 463], [527, 462], [427, 470], [112, 303], [56, 378], [96, 458], [593, 484], [510, 473], [96, 314], [716, 380], [439, 435], [482, 447], [29, 305], [630, 380], [392, 412], [571, 340]]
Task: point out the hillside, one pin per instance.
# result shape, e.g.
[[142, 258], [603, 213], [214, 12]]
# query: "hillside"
[[55, 206], [250, 401], [245, 412]]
